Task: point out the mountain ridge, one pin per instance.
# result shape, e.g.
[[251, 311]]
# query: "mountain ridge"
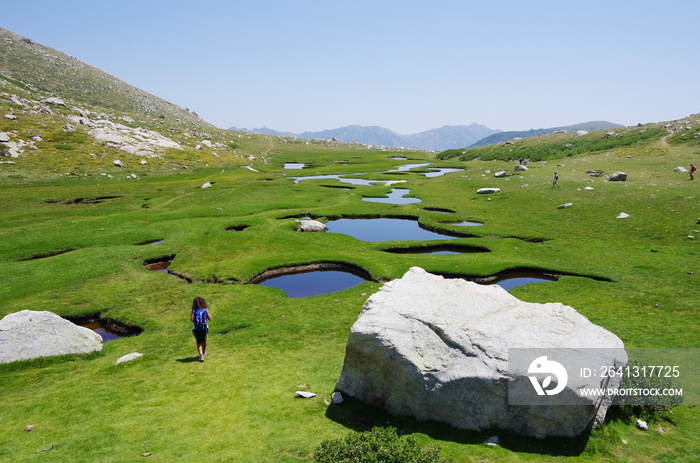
[[445, 137], [439, 139]]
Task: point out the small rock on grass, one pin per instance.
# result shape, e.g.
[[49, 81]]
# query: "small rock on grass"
[[642, 425], [305, 394]]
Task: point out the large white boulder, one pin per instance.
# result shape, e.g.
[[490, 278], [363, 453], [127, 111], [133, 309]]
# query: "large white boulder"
[[437, 349], [30, 334]]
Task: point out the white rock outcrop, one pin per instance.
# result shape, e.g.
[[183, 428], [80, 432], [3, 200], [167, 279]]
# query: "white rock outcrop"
[[311, 226], [437, 349], [487, 191], [30, 334]]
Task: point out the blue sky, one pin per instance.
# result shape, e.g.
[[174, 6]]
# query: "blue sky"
[[405, 65]]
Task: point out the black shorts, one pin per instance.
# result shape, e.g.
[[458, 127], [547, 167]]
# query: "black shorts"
[[201, 335]]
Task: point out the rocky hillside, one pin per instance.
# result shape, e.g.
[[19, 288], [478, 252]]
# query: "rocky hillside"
[[512, 135], [44, 70]]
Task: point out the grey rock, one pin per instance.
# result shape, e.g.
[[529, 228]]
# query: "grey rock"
[[11, 117], [642, 425], [337, 398], [500, 174], [305, 394], [68, 128], [564, 206], [206, 185], [30, 334], [437, 349], [118, 163], [311, 226], [521, 168], [53, 100], [487, 191], [128, 357], [623, 215], [618, 177], [4, 137], [680, 169]]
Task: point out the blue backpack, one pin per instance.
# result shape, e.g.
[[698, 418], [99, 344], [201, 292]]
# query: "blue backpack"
[[200, 319]]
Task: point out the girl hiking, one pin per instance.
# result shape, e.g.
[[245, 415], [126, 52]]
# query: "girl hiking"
[[200, 317]]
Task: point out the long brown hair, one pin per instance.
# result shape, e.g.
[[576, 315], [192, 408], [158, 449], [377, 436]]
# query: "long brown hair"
[[199, 303]]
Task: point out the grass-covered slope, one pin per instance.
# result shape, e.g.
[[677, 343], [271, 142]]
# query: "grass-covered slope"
[[74, 245]]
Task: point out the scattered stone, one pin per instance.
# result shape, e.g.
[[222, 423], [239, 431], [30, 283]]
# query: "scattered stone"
[[487, 191], [30, 334], [623, 215], [311, 226], [11, 117], [618, 177], [642, 425], [492, 441], [520, 168], [206, 185], [337, 398], [680, 169], [118, 163], [53, 100], [580, 133], [500, 174], [68, 128], [128, 357], [143, 162], [29, 428], [4, 137], [305, 395], [588, 188], [445, 342], [564, 206]]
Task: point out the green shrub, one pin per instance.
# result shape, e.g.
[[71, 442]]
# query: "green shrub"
[[379, 445], [650, 408]]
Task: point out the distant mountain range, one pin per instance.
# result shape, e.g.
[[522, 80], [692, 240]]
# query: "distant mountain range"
[[447, 137], [444, 138]]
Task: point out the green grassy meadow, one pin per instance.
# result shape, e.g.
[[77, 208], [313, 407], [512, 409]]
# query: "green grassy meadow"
[[240, 405]]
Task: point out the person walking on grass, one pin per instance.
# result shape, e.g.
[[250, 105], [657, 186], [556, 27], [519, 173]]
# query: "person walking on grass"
[[200, 316], [692, 171], [556, 180]]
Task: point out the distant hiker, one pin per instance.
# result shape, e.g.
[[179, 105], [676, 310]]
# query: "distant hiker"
[[692, 171], [200, 316], [520, 160], [556, 180]]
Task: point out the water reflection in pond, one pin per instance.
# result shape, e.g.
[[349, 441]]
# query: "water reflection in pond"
[[465, 223], [406, 167], [440, 171], [438, 249], [509, 281], [340, 178], [395, 196], [159, 264], [107, 335], [384, 229], [313, 283]]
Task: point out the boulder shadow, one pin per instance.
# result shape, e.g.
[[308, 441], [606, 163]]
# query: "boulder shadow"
[[358, 416]]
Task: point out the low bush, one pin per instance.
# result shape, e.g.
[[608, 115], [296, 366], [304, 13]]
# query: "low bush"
[[379, 445]]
